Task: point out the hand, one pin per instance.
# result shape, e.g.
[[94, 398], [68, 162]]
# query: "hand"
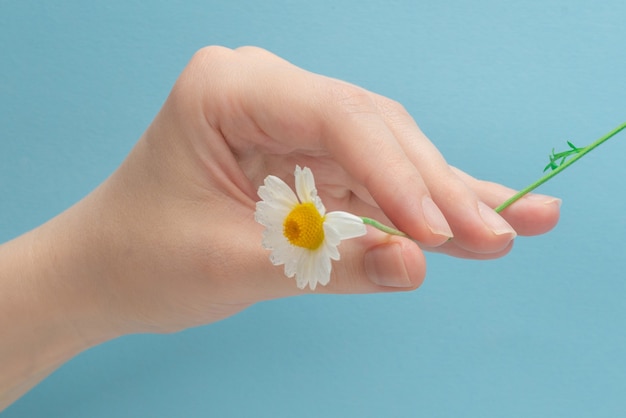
[[181, 245], [169, 241]]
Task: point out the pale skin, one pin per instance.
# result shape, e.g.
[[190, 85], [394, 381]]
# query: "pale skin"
[[169, 240]]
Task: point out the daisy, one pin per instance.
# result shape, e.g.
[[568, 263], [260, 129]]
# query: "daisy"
[[299, 232]]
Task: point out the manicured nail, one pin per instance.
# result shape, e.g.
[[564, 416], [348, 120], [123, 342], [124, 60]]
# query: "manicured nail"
[[384, 266], [495, 222], [546, 200], [434, 218]]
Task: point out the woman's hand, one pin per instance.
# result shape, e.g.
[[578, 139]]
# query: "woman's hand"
[[181, 247], [169, 241]]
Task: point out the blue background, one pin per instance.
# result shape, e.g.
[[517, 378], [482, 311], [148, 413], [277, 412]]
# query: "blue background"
[[494, 84]]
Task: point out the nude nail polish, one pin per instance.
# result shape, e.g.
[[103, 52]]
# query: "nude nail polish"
[[495, 222], [434, 218]]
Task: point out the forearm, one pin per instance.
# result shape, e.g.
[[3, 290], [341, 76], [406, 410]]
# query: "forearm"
[[49, 307]]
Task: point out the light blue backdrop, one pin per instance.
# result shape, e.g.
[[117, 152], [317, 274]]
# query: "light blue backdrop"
[[494, 84]]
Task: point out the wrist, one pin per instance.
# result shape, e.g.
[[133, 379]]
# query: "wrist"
[[52, 304], [72, 275]]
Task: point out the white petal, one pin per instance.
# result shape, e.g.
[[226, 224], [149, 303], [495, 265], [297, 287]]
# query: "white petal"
[[270, 216], [291, 270], [273, 237], [293, 261], [302, 282], [305, 183], [307, 270], [346, 224], [301, 265], [324, 268], [305, 187], [320, 268], [302, 277], [319, 205], [331, 251], [331, 236], [280, 254], [277, 193]]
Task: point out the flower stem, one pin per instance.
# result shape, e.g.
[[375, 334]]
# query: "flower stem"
[[523, 192], [560, 168], [384, 228]]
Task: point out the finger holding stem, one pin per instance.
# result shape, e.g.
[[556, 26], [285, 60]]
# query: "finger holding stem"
[[580, 154], [577, 153]]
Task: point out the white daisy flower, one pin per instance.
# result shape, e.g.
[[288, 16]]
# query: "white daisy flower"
[[299, 232]]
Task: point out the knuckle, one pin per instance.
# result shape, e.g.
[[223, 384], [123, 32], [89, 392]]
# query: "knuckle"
[[207, 63], [253, 51], [347, 100], [209, 54], [392, 108]]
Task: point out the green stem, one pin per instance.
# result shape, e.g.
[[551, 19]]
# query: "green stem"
[[557, 170], [384, 228], [521, 193]]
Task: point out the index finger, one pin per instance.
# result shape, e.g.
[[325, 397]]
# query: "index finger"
[[314, 114]]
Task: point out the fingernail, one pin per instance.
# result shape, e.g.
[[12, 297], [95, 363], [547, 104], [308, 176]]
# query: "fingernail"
[[546, 200], [384, 266], [434, 218], [495, 222]]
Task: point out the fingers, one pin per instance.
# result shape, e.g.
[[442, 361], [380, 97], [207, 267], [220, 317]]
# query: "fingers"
[[288, 111], [295, 111], [479, 232], [476, 227], [362, 142], [534, 214]]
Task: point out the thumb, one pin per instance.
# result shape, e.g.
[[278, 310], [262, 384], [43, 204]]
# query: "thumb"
[[393, 264], [374, 263], [377, 262]]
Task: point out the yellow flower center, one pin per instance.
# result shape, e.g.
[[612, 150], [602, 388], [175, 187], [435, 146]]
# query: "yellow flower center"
[[303, 227]]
